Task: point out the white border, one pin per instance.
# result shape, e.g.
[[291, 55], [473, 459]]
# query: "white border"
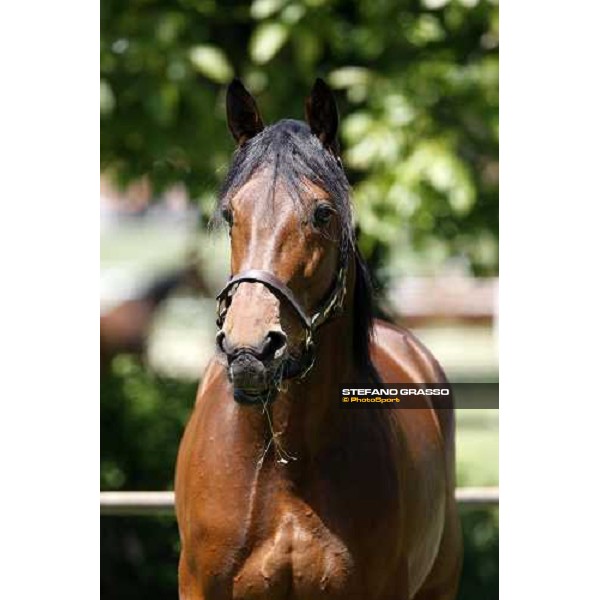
[[549, 299], [49, 232]]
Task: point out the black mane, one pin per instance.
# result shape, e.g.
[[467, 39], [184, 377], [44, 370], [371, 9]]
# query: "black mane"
[[294, 155]]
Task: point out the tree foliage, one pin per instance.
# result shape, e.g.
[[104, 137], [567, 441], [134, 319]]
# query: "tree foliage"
[[416, 81]]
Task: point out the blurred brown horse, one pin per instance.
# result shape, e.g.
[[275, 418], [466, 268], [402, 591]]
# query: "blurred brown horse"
[[126, 327], [280, 493]]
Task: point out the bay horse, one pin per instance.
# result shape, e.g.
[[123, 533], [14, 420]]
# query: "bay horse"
[[280, 493]]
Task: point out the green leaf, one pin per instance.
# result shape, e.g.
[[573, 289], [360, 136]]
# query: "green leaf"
[[107, 98], [348, 77], [426, 29], [266, 41], [434, 4], [261, 9], [212, 63]]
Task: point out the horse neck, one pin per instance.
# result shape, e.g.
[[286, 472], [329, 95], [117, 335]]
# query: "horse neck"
[[306, 412]]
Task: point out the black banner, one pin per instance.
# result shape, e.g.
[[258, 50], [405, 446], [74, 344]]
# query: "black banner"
[[413, 395]]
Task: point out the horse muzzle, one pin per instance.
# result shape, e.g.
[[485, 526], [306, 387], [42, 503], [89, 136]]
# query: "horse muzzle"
[[252, 370], [248, 375]]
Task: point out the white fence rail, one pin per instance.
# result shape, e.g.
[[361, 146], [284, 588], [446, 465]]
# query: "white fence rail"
[[157, 503]]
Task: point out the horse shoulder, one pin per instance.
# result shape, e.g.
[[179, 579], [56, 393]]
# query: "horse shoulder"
[[401, 358]]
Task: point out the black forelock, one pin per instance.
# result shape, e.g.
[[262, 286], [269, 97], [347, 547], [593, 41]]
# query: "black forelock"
[[295, 156]]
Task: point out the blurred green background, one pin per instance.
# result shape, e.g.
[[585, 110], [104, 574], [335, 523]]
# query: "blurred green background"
[[416, 82], [417, 89]]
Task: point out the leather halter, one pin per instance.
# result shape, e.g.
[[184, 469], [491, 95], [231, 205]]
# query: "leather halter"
[[331, 306]]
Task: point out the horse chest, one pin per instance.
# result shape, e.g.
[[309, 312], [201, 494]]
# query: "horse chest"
[[300, 560]]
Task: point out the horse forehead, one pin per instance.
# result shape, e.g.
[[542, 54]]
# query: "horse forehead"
[[269, 204]]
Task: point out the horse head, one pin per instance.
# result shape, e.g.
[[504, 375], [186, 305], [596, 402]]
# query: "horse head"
[[285, 204]]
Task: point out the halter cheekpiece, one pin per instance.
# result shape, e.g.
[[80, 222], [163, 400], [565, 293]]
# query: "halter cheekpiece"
[[330, 307]]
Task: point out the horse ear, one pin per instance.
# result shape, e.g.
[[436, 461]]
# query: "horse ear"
[[243, 117], [321, 114]]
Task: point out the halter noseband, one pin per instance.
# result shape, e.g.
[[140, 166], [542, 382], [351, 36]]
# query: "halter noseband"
[[330, 307]]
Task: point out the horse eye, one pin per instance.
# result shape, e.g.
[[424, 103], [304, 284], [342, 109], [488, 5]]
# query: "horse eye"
[[227, 216], [322, 215]]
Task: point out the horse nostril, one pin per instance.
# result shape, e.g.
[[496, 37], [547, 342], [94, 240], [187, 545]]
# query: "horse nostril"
[[222, 342], [274, 342]]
